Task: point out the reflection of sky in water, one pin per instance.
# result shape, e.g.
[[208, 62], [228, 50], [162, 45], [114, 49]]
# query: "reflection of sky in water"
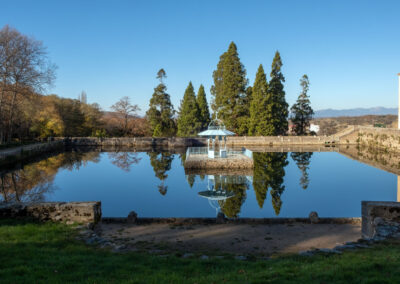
[[337, 185]]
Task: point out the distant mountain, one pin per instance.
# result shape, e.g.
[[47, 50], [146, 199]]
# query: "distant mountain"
[[354, 112]]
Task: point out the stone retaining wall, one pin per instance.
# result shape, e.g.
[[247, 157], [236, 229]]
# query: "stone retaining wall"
[[138, 142], [198, 141], [255, 221], [380, 219], [79, 212], [20, 153], [383, 138]]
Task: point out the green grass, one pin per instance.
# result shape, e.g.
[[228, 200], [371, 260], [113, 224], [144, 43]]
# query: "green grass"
[[47, 253]]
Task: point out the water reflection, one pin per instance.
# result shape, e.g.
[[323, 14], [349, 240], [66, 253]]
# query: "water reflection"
[[269, 173], [271, 188], [302, 160], [30, 183], [161, 163], [124, 160]]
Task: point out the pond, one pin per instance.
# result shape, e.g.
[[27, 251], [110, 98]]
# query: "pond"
[[154, 184]]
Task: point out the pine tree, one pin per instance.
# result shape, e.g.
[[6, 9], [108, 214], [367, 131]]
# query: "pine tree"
[[161, 110], [229, 91], [260, 106], [203, 107], [189, 120], [301, 111], [278, 105]]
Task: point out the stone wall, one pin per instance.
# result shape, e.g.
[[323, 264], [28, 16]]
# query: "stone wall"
[[380, 219], [232, 141], [20, 153], [79, 212], [383, 138], [388, 161], [137, 142]]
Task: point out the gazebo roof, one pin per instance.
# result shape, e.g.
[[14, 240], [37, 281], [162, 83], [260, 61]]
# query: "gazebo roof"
[[216, 195], [216, 128], [216, 132]]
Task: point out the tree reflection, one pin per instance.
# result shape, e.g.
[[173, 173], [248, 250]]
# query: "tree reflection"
[[190, 179], [161, 163], [269, 172], [124, 160], [33, 181], [302, 160], [231, 207]]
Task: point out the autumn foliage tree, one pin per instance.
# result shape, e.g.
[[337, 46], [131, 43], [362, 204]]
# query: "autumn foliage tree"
[[24, 69], [125, 112]]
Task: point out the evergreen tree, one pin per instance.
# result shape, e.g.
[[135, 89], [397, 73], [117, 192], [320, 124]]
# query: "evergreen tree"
[[278, 105], [301, 111], [229, 91], [203, 107], [189, 120], [260, 106], [161, 110]]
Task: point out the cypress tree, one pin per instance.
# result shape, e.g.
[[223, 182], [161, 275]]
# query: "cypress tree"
[[189, 120], [203, 108], [301, 111], [278, 105], [229, 91], [260, 106], [161, 110]]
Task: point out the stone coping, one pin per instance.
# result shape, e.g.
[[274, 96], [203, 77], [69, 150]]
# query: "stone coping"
[[255, 221]]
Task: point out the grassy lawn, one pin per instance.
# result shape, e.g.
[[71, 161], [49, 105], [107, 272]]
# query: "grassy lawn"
[[35, 252]]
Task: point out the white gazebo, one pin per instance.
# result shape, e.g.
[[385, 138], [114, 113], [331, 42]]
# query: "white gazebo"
[[216, 130]]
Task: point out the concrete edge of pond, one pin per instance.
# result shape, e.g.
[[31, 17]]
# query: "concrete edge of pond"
[[252, 221]]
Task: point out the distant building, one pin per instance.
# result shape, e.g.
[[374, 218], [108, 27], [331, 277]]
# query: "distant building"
[[314, 128]]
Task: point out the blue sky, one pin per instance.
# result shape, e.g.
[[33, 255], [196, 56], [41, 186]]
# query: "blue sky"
[[349, 49]]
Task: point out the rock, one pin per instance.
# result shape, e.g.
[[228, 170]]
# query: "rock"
[[187, 255], [313, 217], [240, 257], [204, 257], [306, 253], [132, 217], [221, 218], [326, 250], [378, 221], [118, 248], [69, 222]]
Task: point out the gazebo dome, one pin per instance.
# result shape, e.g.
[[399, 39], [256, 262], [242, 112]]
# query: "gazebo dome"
[[216, 128]]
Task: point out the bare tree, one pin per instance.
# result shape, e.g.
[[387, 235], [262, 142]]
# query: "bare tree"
[[24, 68], [126, 111]]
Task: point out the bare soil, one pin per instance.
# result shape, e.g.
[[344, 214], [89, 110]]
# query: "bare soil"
[[230, 238]]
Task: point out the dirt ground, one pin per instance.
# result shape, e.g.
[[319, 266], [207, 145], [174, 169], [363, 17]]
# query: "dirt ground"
[[230, 238]]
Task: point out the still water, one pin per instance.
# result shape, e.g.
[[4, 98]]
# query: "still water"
[[154, 184]]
